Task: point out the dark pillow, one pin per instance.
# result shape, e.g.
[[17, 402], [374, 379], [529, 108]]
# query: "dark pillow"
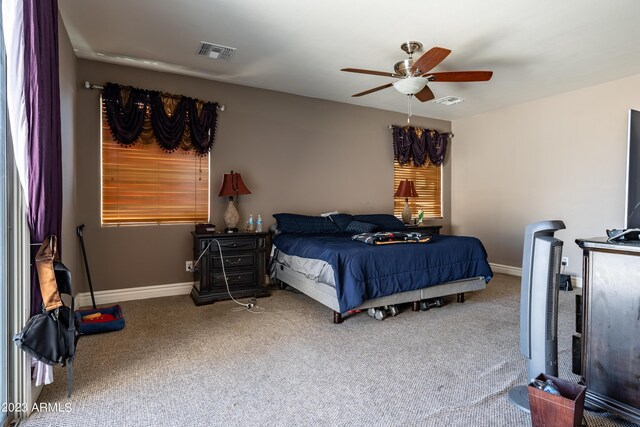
[[385, 222], [358, 227], [294, 223], [342, 220]]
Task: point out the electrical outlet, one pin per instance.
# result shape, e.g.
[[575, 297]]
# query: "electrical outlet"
[[189, 266], [565, 261]]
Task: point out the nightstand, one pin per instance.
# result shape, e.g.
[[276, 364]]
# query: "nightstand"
[[243, 256], [427, 229]]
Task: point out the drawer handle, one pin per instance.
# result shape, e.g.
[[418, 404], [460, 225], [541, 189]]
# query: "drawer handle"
[[240, 245], [232, 262], [229, 279]]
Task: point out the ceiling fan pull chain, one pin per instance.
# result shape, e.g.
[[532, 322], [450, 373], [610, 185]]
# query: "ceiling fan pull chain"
[[410, 113]]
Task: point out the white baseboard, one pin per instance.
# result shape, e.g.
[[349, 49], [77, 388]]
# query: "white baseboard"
[[83, 299], [506, 269], [517, 271]]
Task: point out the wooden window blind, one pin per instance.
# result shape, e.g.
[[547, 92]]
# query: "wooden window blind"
[[142, 184], [428, 183]]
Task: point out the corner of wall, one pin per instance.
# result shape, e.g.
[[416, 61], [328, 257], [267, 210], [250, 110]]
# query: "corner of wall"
[[69, 243]]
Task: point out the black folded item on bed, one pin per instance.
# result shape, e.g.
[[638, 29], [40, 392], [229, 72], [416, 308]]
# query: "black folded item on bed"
[[391, 237]]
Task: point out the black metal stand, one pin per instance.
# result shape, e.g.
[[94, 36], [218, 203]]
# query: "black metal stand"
[[86, 263]]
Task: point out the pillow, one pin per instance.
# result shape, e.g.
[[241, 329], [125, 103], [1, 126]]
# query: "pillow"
[[294, 223], [358, 227], [385, 222], [342, 220], [273, 229]]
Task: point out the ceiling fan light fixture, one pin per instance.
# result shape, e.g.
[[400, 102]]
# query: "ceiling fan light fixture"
[[414, 76], [403, 68], [410, 85]]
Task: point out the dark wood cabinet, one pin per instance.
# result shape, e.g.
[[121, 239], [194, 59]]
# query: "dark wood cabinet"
[[611, 325], [243, 261], [427, 229]]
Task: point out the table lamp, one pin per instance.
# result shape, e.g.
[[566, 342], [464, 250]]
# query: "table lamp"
[[406, 189], [232, 185]]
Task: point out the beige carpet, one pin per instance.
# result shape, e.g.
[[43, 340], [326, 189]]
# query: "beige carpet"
[[178, 364]]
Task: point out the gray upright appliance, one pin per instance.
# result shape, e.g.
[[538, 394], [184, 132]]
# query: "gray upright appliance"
[[541, 260]]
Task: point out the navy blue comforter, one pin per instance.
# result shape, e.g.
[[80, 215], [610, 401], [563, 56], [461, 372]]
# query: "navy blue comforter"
[[367, 271]]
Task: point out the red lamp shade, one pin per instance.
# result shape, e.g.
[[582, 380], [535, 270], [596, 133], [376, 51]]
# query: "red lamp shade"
[[406, 189], [232, 185]]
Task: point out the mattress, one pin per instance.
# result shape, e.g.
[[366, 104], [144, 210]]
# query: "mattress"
[[313, 269]]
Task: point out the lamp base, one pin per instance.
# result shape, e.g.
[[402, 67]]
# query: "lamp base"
[[231, 230], [406, 212], [231, 216]]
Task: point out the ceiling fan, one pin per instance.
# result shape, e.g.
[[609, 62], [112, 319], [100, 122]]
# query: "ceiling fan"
[[414, 75]]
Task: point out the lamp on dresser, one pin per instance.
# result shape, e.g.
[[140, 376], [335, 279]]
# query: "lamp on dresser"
[[232, 185], [406, 189]]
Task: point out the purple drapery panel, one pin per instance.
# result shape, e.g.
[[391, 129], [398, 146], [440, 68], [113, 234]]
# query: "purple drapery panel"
[[419, 145], [42, 98], [126, 119]]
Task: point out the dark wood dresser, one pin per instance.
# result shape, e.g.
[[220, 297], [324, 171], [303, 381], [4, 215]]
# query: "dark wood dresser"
[[427, 229], [244, 259]]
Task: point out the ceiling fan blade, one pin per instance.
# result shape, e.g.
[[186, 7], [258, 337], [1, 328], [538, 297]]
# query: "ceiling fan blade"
[[430, 59], [425, 94], [375, 89], [375, 73], [460, 76]]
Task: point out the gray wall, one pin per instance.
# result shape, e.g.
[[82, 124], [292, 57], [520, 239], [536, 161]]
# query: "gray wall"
[[561, 157], [69, 241], [295, 154]]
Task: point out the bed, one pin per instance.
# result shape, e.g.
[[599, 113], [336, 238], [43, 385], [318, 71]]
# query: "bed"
[[318, 257]]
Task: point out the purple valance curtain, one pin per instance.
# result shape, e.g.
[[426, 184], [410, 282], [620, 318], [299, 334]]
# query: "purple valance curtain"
[[203, 125], [168, 129], [417, 145], [44, 141], [126, 109], [125, 118]]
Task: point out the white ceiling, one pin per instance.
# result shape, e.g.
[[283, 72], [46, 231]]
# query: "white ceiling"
[[536, 48]]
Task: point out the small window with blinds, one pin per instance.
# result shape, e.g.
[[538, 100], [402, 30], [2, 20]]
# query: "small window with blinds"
[[142, 184], [428, 183]]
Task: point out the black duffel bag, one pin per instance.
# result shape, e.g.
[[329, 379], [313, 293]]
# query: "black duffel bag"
[[51, 336]]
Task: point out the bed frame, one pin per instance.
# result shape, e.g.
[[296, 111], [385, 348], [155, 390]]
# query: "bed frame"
[[326, 294]]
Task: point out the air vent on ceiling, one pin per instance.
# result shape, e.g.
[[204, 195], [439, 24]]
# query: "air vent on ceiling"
[[215, 51], [448, 100]]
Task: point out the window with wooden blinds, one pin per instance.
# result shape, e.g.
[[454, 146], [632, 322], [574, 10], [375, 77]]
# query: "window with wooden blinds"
[[142, 184], [428, 183]]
